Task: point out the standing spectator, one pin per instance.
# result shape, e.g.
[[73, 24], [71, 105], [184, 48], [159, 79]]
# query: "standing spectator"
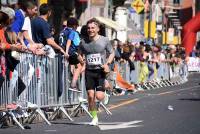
[[27, 31], [116, 49], [5, 46], [5, 19], [41, 31], [19, 16], [18, 21]]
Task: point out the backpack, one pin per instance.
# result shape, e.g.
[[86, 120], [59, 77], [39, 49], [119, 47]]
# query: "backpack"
[[63, 38], [64, 35]]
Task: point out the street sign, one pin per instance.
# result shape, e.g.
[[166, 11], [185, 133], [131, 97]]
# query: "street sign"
[[138, 5], [43, 1]]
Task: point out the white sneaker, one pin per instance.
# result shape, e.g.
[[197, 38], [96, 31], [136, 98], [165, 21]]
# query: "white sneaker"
[[106, 98], [94, 122]]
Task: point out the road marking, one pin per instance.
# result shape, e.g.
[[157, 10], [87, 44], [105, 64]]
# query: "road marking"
[[113, 125], [50, 130], [123, 103], [164, 93], [183, 89], [126, 102], [120, 125]]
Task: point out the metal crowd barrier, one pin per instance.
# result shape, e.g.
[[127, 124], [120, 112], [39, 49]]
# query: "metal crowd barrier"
[[40, 83], [148, 75]]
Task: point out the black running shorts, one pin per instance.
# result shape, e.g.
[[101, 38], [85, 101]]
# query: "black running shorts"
[[73, 59], [95, 79]]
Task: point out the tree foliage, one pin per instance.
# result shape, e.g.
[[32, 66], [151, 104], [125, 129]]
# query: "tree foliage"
[[118, 2]]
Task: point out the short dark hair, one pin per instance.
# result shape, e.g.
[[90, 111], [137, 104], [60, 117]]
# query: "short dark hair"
[[21, 4], [4, 19], [93, 20], [30, 4], [72, 22], [44, 9]]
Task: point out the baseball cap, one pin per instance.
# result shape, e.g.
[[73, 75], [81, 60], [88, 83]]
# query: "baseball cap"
[[9, 11]]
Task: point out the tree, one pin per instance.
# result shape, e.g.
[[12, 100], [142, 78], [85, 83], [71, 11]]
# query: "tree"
[[118, 2]]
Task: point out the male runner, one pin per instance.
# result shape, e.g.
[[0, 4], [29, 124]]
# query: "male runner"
[[95, 49]]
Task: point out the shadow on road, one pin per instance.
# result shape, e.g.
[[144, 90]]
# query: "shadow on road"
[[190, 99]]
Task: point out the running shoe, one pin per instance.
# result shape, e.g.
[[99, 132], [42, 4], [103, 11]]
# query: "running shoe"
[[94, 121], [106, 98]]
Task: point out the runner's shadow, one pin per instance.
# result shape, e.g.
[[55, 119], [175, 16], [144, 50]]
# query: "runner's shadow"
[[67, 123], [190, 99], [87, 123]]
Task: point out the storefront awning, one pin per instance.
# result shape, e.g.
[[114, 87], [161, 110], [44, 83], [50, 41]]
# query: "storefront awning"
[[112, 24]]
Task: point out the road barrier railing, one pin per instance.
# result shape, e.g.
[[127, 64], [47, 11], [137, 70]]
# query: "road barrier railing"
[[40, 84]]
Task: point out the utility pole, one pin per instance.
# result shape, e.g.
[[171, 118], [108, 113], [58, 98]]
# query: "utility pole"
[[194, 8], [110, 8], [164, 36]]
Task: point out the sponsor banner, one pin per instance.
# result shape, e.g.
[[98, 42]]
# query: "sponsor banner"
[[194, 64]]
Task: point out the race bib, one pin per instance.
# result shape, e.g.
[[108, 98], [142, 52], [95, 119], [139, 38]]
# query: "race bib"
[[94, 59]]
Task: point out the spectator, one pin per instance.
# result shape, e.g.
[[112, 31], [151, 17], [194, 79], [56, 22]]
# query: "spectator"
[[4, 45], [117, 49], [4, 23], [27, 31], [18, 21], [69, 39], [41, 31]]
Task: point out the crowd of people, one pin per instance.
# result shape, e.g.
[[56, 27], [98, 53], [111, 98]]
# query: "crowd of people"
[[23, 30], [140, 51]]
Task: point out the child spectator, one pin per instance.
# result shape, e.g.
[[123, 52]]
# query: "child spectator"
[[69, 40]]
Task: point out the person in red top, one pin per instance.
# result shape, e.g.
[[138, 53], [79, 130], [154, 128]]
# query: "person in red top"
[[4, 22]]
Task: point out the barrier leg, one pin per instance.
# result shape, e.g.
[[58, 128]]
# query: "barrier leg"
[[10, 113], [84, 107], [65, 113], [150, 85], [62, 109], [159, 84], [163, 83], [105, 108], [168, 83], [156, 83], [34, 114], [31, 117], [39, 111], [54, 114], [171, 84], [146, 86], [3, 119]]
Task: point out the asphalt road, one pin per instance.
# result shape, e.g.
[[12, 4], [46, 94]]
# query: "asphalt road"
[[171, 110]]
